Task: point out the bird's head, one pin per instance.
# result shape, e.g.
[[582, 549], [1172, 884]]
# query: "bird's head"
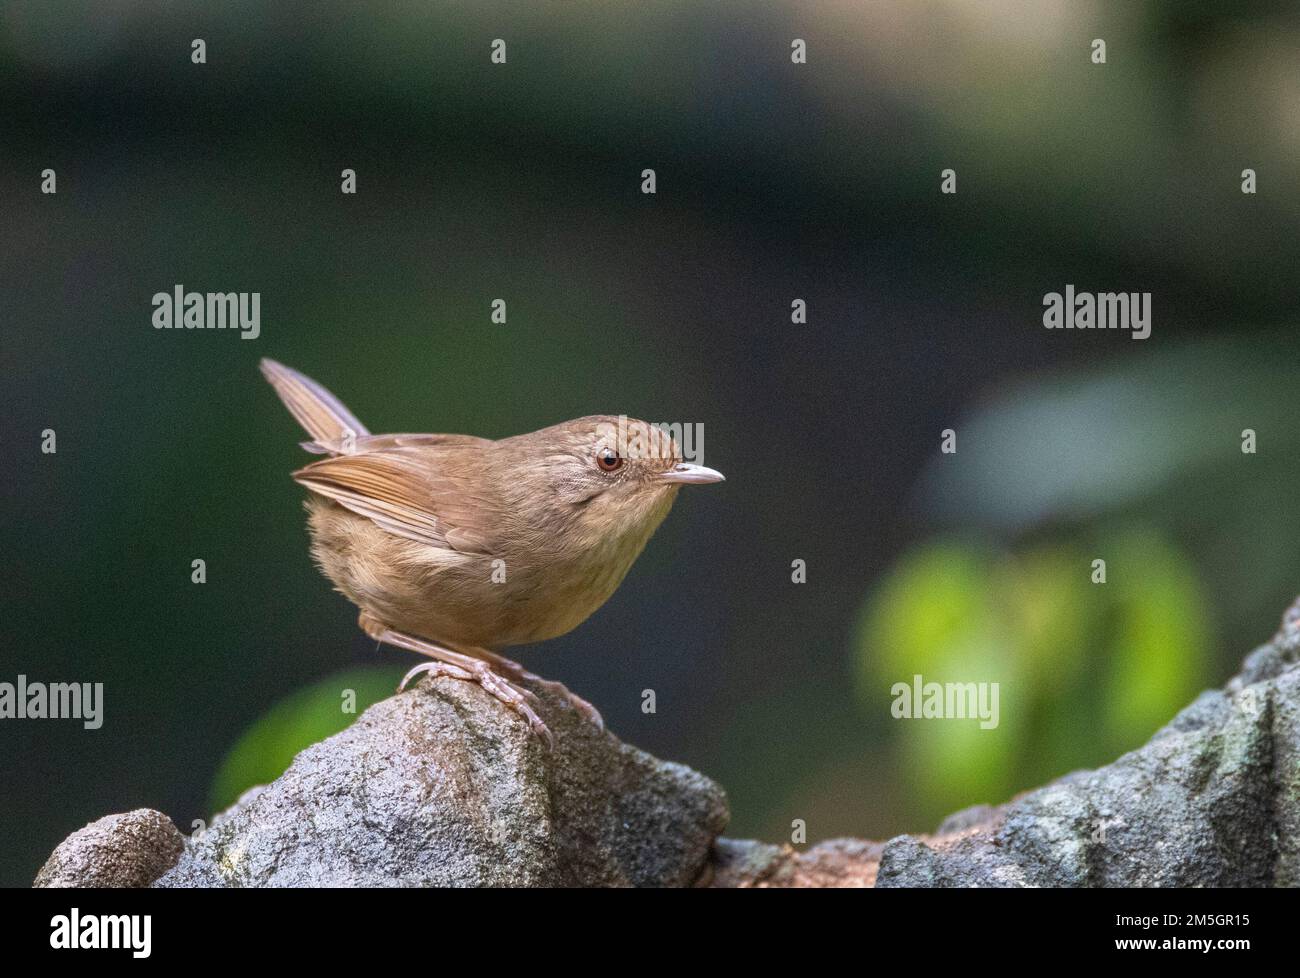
[[609, 474]]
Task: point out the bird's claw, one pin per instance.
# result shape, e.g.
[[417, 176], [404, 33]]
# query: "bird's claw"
[[519, 699], [575, 701], [516, 698], [434, 670], [518, 675], [586, 709]]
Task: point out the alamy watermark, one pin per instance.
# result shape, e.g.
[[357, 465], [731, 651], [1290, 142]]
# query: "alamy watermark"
[[179, 309], [1100, 310], [660, 439], [919, 700], [77, 931], [53, 701]]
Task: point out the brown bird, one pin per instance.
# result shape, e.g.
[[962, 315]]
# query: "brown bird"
[[455, 546]]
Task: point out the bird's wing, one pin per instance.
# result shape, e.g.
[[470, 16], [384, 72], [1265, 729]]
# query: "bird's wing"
[[436, 493], [379, 443]]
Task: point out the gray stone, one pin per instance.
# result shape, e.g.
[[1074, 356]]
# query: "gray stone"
[[129, 850], [443, 786], [757, 865], [1213, 799]]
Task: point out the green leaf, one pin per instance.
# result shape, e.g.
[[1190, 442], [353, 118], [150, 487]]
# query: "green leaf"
[[1084, 670]]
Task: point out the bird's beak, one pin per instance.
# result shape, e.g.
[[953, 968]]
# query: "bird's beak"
[[693, 475]]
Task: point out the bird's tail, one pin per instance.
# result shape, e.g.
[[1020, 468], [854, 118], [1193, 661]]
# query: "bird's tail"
[[332, 426]]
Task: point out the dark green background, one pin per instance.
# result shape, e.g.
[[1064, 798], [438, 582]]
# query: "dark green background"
[[776, 181]]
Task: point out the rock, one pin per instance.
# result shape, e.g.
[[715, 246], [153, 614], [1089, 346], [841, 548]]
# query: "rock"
[[834, 863], [442, 786], [118, 850], [1213, 799]]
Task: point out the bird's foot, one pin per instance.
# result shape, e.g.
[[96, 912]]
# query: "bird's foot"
[[577, 702], [458, 665], [517, 698], [434, 670], [518, 674]]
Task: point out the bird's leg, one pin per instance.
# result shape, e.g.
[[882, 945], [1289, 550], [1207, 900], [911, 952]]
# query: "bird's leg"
[[511, 668], [459, 665]]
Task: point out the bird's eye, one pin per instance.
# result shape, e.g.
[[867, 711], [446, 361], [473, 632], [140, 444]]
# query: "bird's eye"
[[609, 460]]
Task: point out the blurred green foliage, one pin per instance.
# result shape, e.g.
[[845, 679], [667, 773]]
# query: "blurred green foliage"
[[1154, 438], [1086, 670]]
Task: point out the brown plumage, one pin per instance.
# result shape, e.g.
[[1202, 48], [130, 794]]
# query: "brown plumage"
[[454, 546]]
